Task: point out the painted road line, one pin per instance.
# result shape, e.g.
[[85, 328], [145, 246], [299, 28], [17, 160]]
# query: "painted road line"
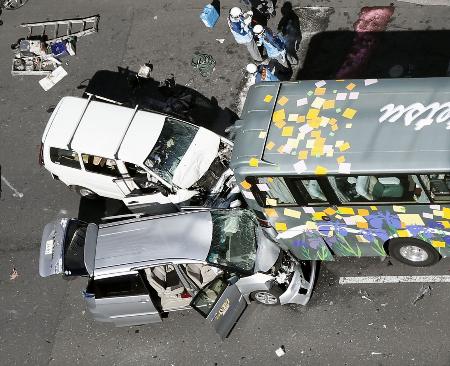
[[16, 193], [393, 279]]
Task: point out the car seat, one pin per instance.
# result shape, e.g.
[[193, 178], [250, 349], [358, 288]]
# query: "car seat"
[[167, 284], [201, 274]]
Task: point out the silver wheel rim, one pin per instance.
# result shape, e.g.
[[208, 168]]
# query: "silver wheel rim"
[[85, 192], [413, 253], [265, 297]]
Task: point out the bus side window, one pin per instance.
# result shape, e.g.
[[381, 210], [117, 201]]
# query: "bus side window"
[[438, 185], [310, 190], [369, 188], [271, 191]]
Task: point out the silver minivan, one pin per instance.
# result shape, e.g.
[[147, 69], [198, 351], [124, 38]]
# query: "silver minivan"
[[215, 261]]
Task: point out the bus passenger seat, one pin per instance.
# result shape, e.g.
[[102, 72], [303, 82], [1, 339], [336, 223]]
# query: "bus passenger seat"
[[364, 183]]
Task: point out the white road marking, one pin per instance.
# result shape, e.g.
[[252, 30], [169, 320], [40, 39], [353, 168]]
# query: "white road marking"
[[393, 279], [16, 192]]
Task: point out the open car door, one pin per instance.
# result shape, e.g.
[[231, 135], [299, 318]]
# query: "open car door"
[[221, 303]]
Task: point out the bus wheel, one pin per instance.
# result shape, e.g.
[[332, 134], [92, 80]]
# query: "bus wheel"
[[413, 252]]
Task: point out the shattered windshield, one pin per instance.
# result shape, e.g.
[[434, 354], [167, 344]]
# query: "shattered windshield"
[[172, 144], [234, 239]]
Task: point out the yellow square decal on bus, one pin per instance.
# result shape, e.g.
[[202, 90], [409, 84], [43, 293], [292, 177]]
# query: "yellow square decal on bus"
[[271, 212], [279, 116], [403, 233], [349, 113], [329, 211], [312, 113], [320, 170], [245, 184], [446, 224], [438, 244], [270, 145], [328, 104], [287, 131], [283, 100], [363, 212], [292, 213], [346, 211], [262, 135], [268, 98], [446, 213], [303, 155], [350, 86], [345, 146], [320, 91], [362, 225], [301, 119], [253, 162], [280, 226]]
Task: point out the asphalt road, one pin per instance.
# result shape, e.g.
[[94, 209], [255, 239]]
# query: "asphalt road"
[[43, 321]]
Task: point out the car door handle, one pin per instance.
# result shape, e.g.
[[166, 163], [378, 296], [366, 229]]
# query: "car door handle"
[[131, 202], [144, 301]]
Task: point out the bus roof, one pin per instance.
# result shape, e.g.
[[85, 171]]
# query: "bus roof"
[[344, 127]]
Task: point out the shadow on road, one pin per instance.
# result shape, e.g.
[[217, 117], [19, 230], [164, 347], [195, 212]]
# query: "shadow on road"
[[92, 210], [347, 54], [125, 88]]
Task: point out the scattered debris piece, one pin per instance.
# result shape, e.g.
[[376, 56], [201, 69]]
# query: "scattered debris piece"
[[14, 274], [384, 304], [384, 326], [47, 42], [204, 63], [364, 295], [370, 324], [220, 40], [280, 351], [50, 80], [424, 290], [376, 353], [155, 17]]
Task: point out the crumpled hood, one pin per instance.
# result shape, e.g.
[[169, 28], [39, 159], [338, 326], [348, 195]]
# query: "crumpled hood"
[[198, 158]]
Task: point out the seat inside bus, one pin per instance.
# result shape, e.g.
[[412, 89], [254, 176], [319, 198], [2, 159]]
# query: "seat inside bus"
[[372, 188]]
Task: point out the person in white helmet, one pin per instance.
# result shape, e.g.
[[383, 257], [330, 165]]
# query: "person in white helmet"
[[273, 45], [239, 24], [262, 72]]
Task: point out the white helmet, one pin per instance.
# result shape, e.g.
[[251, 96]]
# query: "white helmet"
[[251, 68], [258, 29], [235, 12]]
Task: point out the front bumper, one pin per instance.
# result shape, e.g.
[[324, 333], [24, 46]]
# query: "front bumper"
[[292, 295]]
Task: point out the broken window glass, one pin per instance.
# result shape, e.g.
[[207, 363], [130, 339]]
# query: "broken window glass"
[[234, 239], [172, 144]]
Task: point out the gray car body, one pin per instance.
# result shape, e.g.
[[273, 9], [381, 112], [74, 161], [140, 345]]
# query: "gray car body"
[[124, 247]]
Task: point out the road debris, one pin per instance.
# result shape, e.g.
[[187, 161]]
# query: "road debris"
[[280, 351], [376, 353], [364, 295], [50, 80], [16, 193], [424, 290], [40, 53], [220, 40], [14, 274], [204, 63]]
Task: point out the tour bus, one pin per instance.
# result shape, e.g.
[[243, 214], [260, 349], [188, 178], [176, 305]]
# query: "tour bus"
[[349, 167]]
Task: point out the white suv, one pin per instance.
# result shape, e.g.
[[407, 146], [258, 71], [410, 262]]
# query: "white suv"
[[137, 156]]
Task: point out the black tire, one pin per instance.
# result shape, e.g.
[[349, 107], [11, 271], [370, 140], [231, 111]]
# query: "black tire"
[[413, 252], [272, 296], [85, 192]]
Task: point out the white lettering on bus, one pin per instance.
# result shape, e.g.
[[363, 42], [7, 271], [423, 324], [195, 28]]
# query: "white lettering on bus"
[[433, 112]]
